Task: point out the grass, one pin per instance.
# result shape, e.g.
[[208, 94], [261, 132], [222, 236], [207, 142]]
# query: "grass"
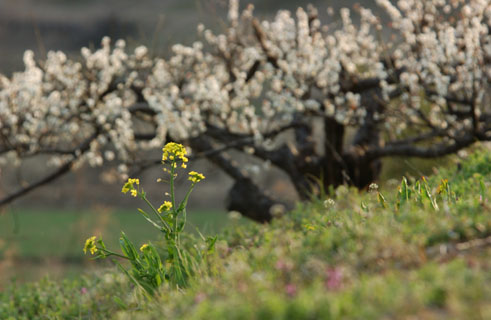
[[369, 255], [49, 242], [59, 233]]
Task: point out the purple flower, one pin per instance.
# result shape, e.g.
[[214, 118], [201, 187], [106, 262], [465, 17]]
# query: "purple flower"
[[283, 265], [334, 278], [291, 289]]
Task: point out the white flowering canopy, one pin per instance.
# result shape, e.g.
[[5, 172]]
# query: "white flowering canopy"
[[425, 92]]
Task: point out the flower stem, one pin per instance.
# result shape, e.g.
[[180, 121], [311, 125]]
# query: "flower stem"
[[156, 212], [111, 253]]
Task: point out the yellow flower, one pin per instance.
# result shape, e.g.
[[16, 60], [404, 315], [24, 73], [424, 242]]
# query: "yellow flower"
[[128, 186], [174, 151], [166, 206], [143, 247], [443, 186], [195, 177], [309, 227], [90, 245]]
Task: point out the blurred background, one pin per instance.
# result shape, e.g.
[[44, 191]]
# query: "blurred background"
[[43, 233]]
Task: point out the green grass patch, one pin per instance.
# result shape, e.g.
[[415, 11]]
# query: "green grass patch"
[[36, 243], [61, 233]]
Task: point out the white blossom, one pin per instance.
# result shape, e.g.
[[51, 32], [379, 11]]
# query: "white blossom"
[[300, 68]]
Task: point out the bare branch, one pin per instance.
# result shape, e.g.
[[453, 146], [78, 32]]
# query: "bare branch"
[[409, 150], [143, 108], [418, 138], [52, 176]]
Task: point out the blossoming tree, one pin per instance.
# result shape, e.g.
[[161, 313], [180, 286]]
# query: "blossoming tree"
[[313, 99]]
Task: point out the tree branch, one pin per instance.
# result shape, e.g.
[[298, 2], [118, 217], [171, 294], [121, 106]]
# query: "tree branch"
[[204, 154], [261, 37], [407, 150], [143, 108], [422, 137], [84, 146]]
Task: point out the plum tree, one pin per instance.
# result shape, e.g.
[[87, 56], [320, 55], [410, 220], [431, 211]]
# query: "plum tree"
[[345, 95]]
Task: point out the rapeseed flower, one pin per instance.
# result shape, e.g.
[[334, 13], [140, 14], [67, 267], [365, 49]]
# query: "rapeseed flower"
[[195, 177], [129, 186], [90, 245], [166, 206], [143, 247], [174, 151]]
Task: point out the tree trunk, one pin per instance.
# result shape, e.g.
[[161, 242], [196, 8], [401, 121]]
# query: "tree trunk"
[[246, 198], [339, 166], [334, 167], [361, 171]]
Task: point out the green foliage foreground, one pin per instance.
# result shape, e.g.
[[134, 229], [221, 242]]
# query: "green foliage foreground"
[[422, 250]]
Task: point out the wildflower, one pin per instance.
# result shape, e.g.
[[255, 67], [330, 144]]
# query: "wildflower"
[[277, 210], [291, 290], [284, 265], [309, 227], [329, 203], [174, 151], [334, 278], [128, 186], [166, 206], [373, 187], [195, 177], [143, 247], [90, 245], [234, 215]]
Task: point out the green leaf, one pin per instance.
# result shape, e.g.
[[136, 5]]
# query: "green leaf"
[[128, 248], [145, 215], [381, 200], [120, 302], [210, 241]]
